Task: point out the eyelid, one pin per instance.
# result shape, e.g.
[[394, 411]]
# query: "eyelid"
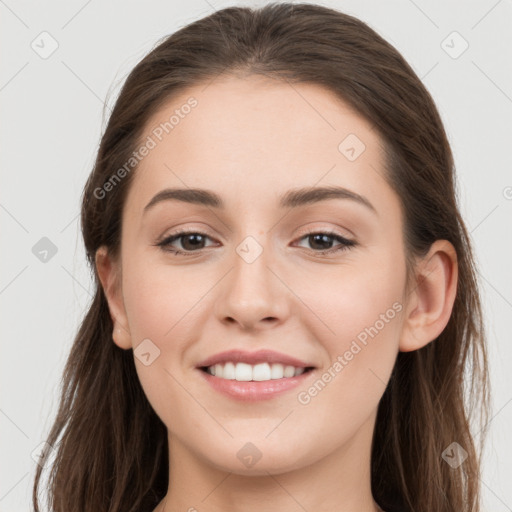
[[187, 230], [327, 230]]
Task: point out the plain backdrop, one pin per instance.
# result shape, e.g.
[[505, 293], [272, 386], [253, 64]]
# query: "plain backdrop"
[[60, 61]]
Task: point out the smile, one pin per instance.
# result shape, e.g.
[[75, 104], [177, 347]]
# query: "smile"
[[244, 372]]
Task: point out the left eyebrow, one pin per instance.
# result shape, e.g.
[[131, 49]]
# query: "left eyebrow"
[[291, 199]]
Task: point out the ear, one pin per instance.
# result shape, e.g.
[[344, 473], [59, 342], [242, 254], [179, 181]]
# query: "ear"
[[109, 273], [430, 302]]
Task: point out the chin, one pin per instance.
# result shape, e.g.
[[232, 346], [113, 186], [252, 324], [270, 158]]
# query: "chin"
[[258, 459]]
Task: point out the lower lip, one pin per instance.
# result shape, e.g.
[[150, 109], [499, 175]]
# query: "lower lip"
[[251, 391]]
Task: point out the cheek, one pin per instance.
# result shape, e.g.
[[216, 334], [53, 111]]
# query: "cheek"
[[357, 322], [364, 291], [159, 305], [159, 298], [359, 360]]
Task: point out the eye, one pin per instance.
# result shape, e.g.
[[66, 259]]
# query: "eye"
[[321, 239], [193, 241]]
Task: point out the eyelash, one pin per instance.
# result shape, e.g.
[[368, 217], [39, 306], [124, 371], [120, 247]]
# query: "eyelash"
[[345, 244]]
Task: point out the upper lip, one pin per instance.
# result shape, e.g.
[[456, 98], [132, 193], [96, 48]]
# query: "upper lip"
[[260, 356]]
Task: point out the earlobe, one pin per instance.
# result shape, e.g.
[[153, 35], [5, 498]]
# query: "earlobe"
[[109, 276], [430, 303], [121, 337]]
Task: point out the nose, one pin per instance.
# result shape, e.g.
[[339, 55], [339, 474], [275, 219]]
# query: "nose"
[[253, 295]]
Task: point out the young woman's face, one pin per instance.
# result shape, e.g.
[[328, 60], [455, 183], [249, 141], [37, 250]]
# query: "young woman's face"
[[254, 276]]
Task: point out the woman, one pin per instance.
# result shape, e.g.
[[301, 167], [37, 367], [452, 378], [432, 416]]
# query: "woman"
[[286, 299]]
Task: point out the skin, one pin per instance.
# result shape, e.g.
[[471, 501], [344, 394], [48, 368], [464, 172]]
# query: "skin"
[[250, 140]]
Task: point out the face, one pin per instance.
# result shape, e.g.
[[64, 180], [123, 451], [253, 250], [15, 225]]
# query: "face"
[[321, 281]]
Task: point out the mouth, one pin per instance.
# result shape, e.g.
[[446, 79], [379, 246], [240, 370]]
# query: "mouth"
[[262, 372], [243, 372], [251, 376], [263, 364], [240, 382]]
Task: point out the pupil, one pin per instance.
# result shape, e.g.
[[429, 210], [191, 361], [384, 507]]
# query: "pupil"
[[325, 238], [197, 239]]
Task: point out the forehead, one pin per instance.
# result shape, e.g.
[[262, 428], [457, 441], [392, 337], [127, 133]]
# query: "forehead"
[[253, 137]]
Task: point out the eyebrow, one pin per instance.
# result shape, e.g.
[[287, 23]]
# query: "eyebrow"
[[291, 199]]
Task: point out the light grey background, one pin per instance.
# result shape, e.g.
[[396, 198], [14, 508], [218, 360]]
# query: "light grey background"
[[52, 118]]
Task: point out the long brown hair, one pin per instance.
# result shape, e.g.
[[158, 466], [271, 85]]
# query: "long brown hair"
[[110, 447]]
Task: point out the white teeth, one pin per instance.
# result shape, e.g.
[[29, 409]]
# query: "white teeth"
[[244, 372], [277, 371], [261, 372], [229, 371], [289, 371]]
